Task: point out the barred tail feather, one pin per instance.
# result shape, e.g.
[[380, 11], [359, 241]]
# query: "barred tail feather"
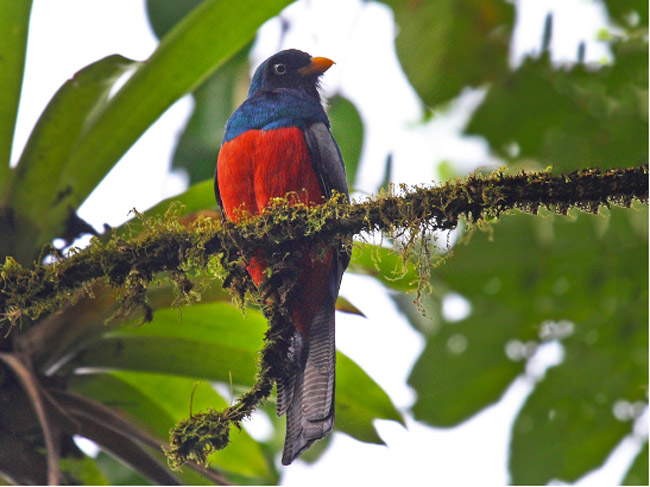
[[308, 396]]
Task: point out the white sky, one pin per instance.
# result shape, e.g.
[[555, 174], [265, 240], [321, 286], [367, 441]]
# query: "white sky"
[[69, 34]]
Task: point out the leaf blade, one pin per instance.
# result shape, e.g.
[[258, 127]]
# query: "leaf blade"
[[180, 63], [55, 134], [14, 18]]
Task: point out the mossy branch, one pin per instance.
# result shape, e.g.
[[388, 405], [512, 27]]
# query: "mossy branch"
[[165, 245]]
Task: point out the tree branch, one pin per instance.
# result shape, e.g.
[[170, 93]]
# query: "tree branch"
[[166, 245]]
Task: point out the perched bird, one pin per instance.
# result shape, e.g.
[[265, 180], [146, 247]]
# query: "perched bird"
[[278, 143]]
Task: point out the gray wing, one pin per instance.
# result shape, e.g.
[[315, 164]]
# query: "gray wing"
[[326, 158]]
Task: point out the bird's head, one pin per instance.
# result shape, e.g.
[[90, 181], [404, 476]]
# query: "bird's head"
[[292, 69]]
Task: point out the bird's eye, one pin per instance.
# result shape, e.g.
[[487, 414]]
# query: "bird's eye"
[[280, 68]]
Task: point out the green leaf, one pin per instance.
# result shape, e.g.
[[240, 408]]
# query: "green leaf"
[[385, 265], [566, 427], [359, 401], [584, 271], [83, 470], [209, 341], [165, 14], [14, 18], [569, 118], [445, 46], [347, 129], [214, 101], [638, 472], [55, 135], [117, 473], [216, 342], [158, 401], [449, 388], [187, 55], [621, 9]]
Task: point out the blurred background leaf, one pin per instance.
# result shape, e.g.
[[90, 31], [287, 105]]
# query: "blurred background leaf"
[[347, 129], [582, 115], [436, 40], [580, 280]]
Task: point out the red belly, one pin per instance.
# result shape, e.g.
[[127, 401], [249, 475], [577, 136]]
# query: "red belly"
[[262, 164]]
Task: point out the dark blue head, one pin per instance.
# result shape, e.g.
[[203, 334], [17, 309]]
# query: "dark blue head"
[[291, 69], [283, 93]]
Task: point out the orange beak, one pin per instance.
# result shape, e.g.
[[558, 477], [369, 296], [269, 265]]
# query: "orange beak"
[[318, 66]]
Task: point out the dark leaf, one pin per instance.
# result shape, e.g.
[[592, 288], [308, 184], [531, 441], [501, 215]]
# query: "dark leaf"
[[623, 10]]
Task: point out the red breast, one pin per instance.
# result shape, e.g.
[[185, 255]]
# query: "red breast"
[[263, 164]]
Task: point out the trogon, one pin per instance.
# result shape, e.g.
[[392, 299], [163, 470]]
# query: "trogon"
[[278, 143]]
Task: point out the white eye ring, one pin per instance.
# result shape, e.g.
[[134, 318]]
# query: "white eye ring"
[[280, 68]]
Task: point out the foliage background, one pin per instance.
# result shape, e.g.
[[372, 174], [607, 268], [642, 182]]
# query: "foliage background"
[[579, 281]]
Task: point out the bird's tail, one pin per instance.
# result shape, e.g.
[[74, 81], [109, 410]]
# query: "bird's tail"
[[306, 395]]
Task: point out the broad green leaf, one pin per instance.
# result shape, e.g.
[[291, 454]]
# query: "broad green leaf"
[[569, 118], [445, 376], [187, 55], [243, 455], [54, 137], [359, 401], [587, 272], [88, 319], [209, 341], [157, 402], [444, 47], [83, 470], [14, 19], [214, 101], [638, 472], [347, 129], [567, 426]]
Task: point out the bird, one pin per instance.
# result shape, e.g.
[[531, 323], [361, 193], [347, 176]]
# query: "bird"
[[278, 143]]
